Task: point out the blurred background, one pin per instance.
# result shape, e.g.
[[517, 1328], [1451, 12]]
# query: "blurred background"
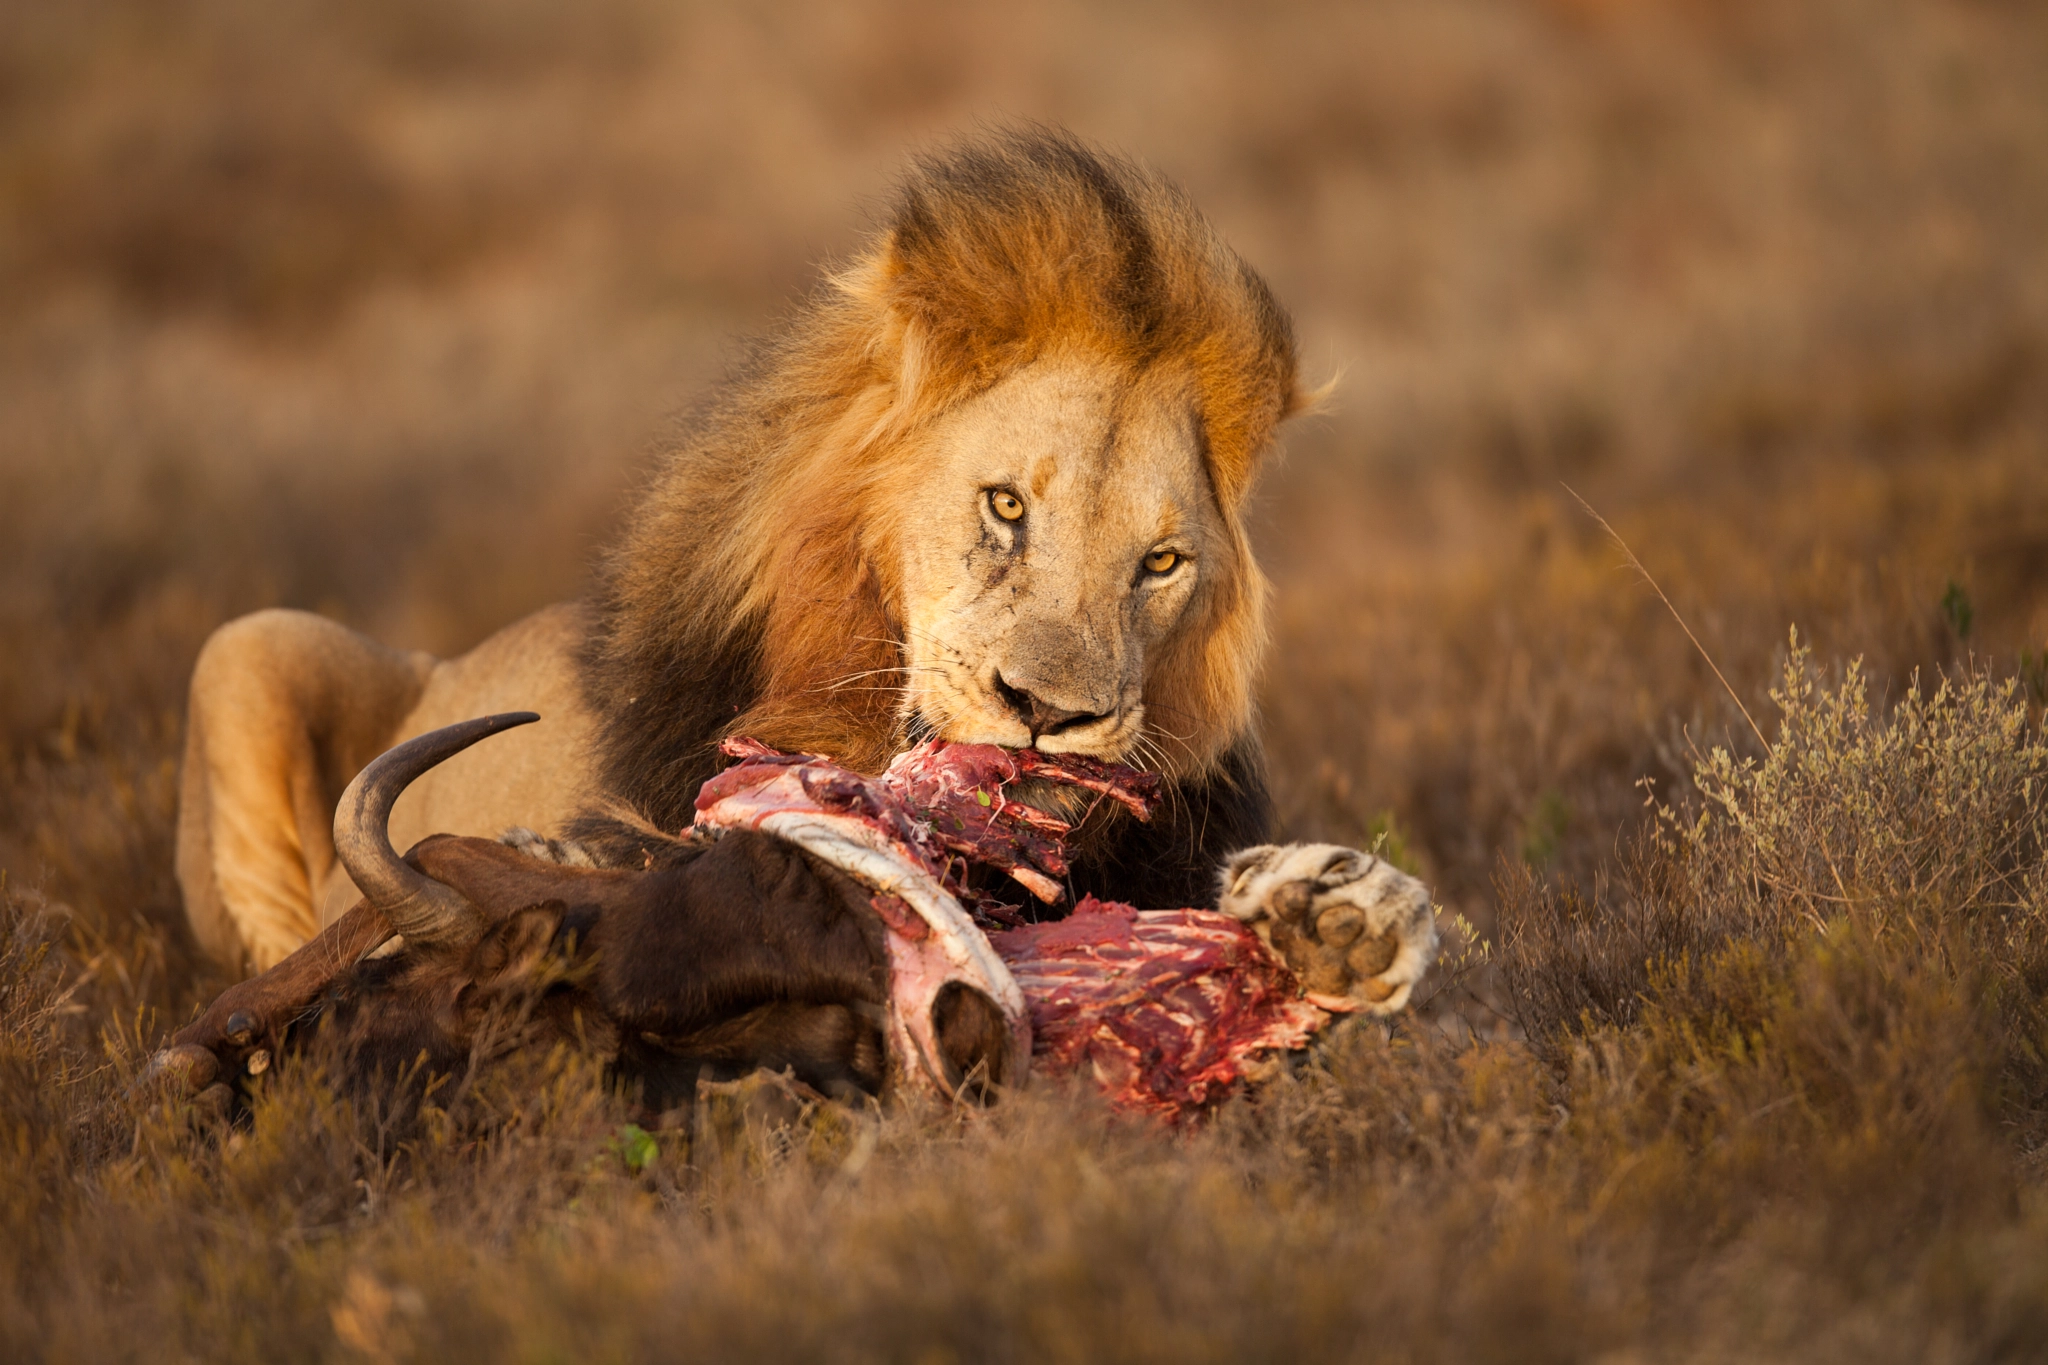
[[379, 309]]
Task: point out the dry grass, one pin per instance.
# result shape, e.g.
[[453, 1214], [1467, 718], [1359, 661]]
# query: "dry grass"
[[373, 309]]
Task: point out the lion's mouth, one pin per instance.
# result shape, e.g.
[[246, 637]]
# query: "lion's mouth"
[[990, 724]]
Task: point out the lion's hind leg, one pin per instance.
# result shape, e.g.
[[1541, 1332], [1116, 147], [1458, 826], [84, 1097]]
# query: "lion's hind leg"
[[285, 707]]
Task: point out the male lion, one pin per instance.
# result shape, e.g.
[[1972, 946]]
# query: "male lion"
[[988, 485]]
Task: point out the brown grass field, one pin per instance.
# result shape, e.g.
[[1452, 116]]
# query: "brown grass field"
[[378, 309]]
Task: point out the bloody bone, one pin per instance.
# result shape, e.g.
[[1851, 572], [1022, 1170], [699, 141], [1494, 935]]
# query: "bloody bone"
[[937, 804], [869, 829]]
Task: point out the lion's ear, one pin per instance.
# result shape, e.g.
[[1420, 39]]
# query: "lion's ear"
[[925, 341], [1249, 385], [1241, 412], [953, 311]]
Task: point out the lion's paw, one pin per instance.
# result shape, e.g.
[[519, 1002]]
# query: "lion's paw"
[[1357, 930]]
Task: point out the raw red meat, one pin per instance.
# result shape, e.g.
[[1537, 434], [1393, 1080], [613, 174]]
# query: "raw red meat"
[[1166, 1010], [940, 805]]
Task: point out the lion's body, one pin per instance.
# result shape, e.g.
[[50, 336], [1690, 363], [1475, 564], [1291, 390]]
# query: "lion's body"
[[989, 485]]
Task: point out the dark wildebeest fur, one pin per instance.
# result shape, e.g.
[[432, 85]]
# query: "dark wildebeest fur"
[[728, 956]]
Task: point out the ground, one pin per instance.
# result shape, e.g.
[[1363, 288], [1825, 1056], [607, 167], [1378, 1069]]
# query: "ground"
[[377, 310]]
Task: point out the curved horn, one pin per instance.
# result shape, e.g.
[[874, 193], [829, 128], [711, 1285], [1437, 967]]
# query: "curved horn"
[[412, 903]]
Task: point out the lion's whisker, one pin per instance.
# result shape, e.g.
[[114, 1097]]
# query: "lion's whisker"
[[890, 690], [834, 684], [1157, 732]]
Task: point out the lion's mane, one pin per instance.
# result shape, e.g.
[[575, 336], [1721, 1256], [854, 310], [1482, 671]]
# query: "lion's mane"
[[757, 568]]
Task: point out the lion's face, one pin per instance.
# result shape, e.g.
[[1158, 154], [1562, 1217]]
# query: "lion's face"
[[1064, 529]]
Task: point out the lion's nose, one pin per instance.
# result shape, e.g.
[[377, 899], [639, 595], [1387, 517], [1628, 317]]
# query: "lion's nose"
[[1039, 714]]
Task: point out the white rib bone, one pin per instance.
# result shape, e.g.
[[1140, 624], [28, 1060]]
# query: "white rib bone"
[[964, 953]]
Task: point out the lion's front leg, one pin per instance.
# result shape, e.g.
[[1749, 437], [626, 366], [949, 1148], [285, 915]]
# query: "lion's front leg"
[[1358, 930]]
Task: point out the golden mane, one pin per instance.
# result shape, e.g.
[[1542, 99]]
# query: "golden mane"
[[756, 577]]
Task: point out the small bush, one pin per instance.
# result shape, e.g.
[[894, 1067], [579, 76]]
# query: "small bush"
[[1924, 828]]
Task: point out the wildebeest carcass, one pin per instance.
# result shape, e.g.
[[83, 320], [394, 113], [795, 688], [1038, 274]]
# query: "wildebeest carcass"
[[817, 920], [724, 956]]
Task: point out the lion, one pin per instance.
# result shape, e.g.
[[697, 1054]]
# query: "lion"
[[988, 484]]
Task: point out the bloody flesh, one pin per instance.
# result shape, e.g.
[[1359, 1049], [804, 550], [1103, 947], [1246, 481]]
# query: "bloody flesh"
[[1164, 1010], [943, 806]]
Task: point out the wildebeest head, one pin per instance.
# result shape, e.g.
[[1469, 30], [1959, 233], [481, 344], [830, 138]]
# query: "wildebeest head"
[[727, 956]]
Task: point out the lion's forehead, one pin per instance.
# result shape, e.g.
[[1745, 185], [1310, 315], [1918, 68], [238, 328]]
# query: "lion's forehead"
[[1095, 451]]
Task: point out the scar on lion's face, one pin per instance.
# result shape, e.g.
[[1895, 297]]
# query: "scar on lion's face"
[[1075, 498]]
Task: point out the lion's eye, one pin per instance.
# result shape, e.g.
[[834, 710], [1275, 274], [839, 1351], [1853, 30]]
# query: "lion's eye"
[[1006, 504], [1161, 561]]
